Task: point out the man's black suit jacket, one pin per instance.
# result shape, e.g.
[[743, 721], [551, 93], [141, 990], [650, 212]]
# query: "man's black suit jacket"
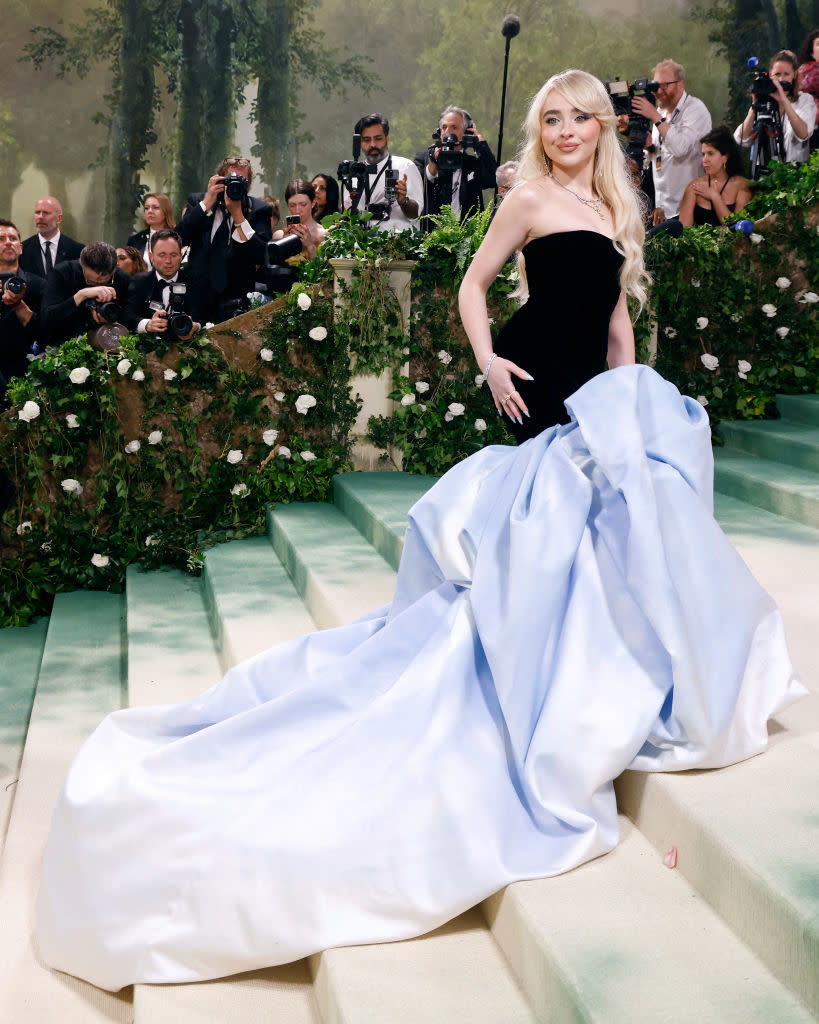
[[139, 239], [31, 259], [225, 271], [60, 317], [145, 288], [477, 173], [15, 339]]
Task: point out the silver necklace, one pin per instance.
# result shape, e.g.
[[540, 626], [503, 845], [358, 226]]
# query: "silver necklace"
[[595, 204]]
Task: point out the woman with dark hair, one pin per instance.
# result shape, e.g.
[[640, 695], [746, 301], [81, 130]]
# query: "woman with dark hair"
[[326, 188], [809, 75], [157, 213], [723, 189], [130, 260], [300, 197]]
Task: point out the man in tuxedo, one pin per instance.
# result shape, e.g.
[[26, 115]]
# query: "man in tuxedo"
[[19, 307], [462, 187], [163, 285], [227, 238], [49, 246], [72, 288]]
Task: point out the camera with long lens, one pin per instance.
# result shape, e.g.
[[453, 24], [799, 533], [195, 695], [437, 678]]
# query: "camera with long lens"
[[277, 276], [180, 323], [110, 311], [236, 186], [353, 173], [16, 285], [767, 138], [621, 94], [451, 149]]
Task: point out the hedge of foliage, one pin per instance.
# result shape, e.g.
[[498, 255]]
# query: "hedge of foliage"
[[148, 458]]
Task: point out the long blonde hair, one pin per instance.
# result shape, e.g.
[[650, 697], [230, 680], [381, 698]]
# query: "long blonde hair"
[[610, 180]]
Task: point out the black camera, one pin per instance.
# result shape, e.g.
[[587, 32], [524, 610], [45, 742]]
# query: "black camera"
[[353, 173], [391, 177], [621, 93], [16, 285], [110, 311], [236, 186], [767, 138], [763, 88], [180, 324], [450, 157]]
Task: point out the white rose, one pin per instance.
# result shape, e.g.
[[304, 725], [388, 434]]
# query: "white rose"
[[421, 434], [695, 282], [155, 437], [448, 417], [307, 456], [445, 357], [407, 399], [744, 376], [670, 332], [304, 301], [269, 436], [240, 490], [45, 546], [457, 409], [709, 362], [318, 333], [405, 350], [783, 282], [208, 324], [743, 366], [735, 318], [810, 297], [79, 375], [71, 420], [169, 374], [100, 560], [783, 332], [234, 456], [769, 309], [279, 396], [480, 425], [702, 323], [24, 527], [71, 486], [479, 380], [755, 238], [702, 400], [421, 386], [303, 403], [284, 451], [29, 412], [266, 354], [150, 541], [123, 366], [422, 407], [138, 375], [132, 446]]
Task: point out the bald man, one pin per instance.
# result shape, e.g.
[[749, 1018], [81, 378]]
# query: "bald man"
[[49, 246]]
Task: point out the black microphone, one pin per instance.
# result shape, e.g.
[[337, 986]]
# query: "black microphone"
[[510, 26]]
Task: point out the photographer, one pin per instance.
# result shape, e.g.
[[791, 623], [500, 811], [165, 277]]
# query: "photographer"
[[679, 122], [391, 187], [797, 111], [82, 295], [227, 231], [19, 306], [156, 297], [457, 178]]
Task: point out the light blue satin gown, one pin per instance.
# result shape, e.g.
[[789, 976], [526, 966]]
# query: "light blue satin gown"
[[564, 610]]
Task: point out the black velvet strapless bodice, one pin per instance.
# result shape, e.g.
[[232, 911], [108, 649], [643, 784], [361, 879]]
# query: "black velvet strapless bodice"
[[560, 335]]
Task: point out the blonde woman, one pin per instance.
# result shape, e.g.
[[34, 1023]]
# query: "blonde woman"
[[575, 218], [157, 213], [564, 609]]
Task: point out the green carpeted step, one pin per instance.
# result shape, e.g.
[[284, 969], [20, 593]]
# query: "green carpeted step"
[[800, 408], [80, 681], [796, 444], [625, 938], [171, 654], [377, 505], [337, 573], [22, 652], [252, 602], [785, 490]]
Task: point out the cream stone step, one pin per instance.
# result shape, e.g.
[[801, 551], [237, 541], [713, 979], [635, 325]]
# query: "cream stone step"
[[80, 681]]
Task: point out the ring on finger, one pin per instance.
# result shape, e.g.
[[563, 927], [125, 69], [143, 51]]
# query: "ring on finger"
[[506, 399]]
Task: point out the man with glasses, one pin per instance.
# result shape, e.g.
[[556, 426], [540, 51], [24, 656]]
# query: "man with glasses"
[[679, 122], [20, 295], [75, 290]]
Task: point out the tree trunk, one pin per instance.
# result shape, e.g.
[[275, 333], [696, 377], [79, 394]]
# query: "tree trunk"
[[774, 32], [794, 32], [220, 97], [274, 130], [130, 129], [187, 157]]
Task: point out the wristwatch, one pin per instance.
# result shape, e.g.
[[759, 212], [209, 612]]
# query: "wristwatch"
[[658, 123]]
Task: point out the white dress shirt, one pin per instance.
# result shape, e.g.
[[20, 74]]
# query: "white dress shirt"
[[677, 159], [398, 220], [797, 150]]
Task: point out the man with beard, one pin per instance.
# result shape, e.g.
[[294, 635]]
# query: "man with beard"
[[403, 213]]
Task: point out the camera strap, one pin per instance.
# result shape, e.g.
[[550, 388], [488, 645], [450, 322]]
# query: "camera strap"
[[370, 188]]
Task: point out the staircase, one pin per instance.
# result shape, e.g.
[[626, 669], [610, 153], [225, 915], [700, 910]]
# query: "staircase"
[[730, 935]]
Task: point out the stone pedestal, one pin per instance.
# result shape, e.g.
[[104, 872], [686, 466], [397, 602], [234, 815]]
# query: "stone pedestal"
[[371, 388]]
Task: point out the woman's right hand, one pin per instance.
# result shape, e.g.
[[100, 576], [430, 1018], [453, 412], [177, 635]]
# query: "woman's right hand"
[[504, 391]]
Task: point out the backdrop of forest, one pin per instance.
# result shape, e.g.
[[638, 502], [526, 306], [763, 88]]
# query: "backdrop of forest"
[[104, 101]]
